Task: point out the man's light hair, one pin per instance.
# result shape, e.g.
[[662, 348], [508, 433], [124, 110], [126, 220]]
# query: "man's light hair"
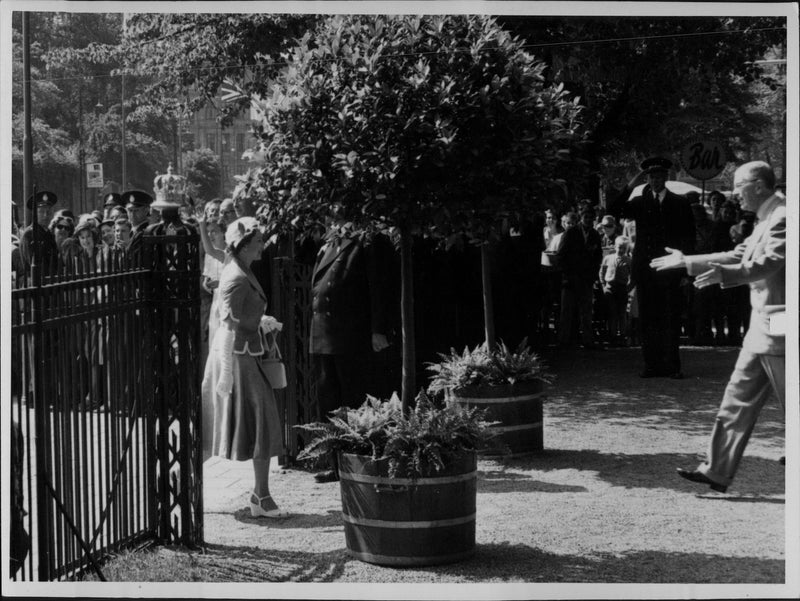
[[760, 170]]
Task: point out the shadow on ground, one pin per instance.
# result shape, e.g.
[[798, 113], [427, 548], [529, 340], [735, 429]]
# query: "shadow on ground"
[[605, 385], [333, 519], [507, 562], [491, 563], [224, 563], [756, 476]]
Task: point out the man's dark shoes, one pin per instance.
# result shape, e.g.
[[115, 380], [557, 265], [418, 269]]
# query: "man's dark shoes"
[[700, 477], [677, 375], [323, 477]]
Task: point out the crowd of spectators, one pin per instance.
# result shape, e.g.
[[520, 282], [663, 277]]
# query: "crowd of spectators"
[[709, 316], [561, 277]]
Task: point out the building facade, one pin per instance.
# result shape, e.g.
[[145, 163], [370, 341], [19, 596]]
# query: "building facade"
[[228, 143]]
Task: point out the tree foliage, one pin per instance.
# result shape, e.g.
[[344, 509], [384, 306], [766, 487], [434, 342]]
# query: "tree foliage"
[[438, 124], [76, 107], [651, 84], [203, 172], [185, 60]]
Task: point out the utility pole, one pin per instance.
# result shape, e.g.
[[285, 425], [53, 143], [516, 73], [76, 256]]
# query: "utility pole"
[[27, 143], [124, 158], [34, 342], [221, 164], [175, 150], [81, 157]]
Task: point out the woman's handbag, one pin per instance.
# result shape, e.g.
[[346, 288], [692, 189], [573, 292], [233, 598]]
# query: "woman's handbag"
[[272, 363]]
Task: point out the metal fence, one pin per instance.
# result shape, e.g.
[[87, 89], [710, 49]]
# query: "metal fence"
[[105, 391], [291, 304]]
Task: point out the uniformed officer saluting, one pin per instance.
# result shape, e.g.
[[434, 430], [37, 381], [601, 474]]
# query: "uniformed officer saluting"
[[662, 219], [36, 240]]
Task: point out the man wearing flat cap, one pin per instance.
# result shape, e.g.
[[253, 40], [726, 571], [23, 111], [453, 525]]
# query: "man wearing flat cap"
[[36, 240], [137, 203], [663, 219]]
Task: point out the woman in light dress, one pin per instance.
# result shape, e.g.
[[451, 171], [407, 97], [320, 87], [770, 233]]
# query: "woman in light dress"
[[214, 246], [246, 424]]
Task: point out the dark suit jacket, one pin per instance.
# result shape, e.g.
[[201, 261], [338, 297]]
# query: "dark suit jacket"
[[580, 256], [349, 297], [671, 224], [49, 256], [135, 247]]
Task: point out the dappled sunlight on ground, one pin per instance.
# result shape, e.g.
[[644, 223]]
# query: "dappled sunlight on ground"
[[601, 504]]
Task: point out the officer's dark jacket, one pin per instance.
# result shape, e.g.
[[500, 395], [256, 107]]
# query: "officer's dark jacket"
[[671, 224], [580, 256], [49, 256], [348, 297], [135, 248]]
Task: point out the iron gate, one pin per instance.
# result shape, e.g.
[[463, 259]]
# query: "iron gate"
[[291, 304], [106, 394]]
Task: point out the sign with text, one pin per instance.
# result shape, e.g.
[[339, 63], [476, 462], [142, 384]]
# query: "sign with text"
[[94, 175], [703, 159]]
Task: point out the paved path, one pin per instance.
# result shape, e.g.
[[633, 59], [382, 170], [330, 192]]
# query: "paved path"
[[601, 504]]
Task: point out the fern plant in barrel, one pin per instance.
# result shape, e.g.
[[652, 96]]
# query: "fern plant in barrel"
[[408, 479], [508, 384]]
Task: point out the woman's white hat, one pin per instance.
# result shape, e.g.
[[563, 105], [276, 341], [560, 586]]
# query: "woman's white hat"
[[239, 229]]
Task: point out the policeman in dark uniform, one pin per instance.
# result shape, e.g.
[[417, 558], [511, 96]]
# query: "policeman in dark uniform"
[[662, 219], [36, 241], [137, 203], [38, 245]]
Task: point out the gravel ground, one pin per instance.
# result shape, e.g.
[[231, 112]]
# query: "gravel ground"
[[602, 504]]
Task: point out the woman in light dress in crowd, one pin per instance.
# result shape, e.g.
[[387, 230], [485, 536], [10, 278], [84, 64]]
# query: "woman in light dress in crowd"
[[213, 239], [246, 423]]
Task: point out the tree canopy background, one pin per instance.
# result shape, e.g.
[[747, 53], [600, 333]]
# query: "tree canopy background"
[[648, 83]]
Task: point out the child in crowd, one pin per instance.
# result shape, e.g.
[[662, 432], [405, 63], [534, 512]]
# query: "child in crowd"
[[615, 277]]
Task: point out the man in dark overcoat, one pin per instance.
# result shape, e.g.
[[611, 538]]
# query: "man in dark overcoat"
[[663, 219], [580, 255], [349, 320]]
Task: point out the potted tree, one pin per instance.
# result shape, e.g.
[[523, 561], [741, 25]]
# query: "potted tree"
[[408, 479], [508, 385], [411, 125]]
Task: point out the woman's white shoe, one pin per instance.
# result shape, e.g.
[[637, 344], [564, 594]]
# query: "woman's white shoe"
[[259, 512]]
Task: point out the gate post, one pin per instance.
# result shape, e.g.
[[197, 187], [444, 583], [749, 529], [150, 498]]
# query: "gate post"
[[174, 294]]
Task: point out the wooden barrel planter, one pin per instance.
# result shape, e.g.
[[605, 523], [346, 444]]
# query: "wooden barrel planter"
[[408, 522], [518, 408]]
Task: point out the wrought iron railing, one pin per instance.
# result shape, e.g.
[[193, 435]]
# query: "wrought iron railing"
[[105, 391], [291, 302]]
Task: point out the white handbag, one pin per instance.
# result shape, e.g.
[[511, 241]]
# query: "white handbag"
[[272, 362]]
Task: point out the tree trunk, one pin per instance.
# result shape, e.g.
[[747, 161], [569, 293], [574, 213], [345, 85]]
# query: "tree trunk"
[[409, 384], [488, 305]]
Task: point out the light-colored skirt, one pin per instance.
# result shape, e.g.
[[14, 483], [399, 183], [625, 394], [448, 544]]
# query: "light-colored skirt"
[[246, 421]]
